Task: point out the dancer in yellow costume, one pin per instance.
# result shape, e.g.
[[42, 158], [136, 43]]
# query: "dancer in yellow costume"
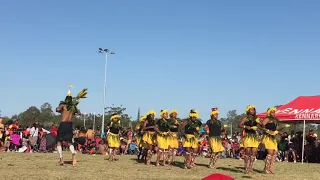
[[250, 140], [271, 127], [139, 134], [148, 137], [191, 138], [162, 129], [214, 129], [114, 128], [173, 141]]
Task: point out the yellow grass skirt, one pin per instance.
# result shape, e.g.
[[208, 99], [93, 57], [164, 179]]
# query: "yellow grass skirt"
[[216, 144], [190, 141], [148, 137], [139, 141], [173, 140], [250, 141], [270, 142], [162, 140], [113, 140]]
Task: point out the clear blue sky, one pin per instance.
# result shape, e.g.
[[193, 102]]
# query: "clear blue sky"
[[169, 54]]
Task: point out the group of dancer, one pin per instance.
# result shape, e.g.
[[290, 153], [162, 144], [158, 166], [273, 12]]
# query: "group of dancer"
[[165, 132]]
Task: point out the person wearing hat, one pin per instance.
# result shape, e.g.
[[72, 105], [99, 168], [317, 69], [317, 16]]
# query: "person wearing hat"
[[114, 128], [138, 136], [191, 128], [68, 108], [162, 129], [271, 129], [214, 129], [148, 137], [173, 141], [249, 124]]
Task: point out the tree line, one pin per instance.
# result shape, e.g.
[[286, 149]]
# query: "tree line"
[[46, 116]]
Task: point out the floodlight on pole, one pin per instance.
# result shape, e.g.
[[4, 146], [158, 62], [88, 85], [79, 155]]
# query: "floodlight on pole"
[[106, 52]]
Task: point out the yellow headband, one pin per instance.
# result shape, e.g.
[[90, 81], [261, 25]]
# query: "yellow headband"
[[174, 111], [214, 111], [143, 118], [163, 112], [114, 116], [151, 112], [270, 110], [194, 113], [249, 107]]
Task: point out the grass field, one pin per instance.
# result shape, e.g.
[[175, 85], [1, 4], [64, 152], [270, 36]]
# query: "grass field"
[[43, 166]]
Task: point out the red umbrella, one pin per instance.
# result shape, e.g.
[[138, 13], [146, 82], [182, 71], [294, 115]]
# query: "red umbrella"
[[218, 177]]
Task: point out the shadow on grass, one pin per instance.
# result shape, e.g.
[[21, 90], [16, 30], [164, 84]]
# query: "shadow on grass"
[[255, 170], [235, 170]]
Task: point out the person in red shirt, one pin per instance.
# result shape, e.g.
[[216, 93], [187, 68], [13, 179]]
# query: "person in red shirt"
[[54, 130]]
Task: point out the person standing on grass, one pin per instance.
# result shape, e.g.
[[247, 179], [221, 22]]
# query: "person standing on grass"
[[250, 137], [113, 136], [162, 129], [148, 137], [190, 129], [173, 141], [271, 128], [138, 137], [2, 133], [68, 108], [214, 129]]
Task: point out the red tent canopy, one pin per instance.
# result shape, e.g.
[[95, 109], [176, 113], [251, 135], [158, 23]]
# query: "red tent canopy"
[[301, 108]]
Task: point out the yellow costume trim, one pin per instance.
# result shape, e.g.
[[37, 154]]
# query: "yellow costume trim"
[[113, 140], [270, 110], [214, 111], [152, 112], [162, 140], [194, 114], [174, 111], [142, 118], [163, 112], [191, 141], [148, 138], [216, 144], [173, 141], [249, 107]]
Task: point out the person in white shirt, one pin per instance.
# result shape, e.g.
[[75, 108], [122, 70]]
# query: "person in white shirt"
[[34, 134]]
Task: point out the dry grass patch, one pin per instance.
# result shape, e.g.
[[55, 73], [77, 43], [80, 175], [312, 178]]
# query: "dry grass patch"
[[43, 166]]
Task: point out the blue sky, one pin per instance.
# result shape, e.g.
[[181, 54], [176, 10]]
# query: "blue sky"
[[169, 54]]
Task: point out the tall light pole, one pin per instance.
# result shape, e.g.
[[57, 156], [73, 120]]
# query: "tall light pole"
[[106, 52]]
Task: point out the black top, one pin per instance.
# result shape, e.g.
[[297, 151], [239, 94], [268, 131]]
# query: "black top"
[[251, 121], [272, 124], [163, 125], [174, 125], [150, 122], [214, 127], [114, 127], [192, 126]]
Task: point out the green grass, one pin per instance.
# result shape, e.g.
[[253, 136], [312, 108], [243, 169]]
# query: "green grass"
[[43, 166]]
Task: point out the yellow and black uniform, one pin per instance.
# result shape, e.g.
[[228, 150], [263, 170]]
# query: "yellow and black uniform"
[[191, 140], [270, 140], [250, 138], [139, 134], [113, 135], [162, 138], [173, 138], [148, 136], [215, 135]]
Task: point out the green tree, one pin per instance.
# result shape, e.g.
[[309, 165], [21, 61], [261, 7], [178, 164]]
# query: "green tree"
[[46, 115], [28, 117]]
